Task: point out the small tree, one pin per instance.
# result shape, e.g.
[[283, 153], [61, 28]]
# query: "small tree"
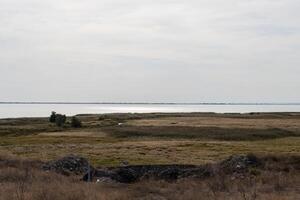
[[75, 122], [52, 117], [60, 120]]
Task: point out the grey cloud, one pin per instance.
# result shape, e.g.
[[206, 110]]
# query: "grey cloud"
[[169, 50]]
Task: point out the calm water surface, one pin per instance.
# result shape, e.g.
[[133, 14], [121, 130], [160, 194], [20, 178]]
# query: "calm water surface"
[[44, 110]]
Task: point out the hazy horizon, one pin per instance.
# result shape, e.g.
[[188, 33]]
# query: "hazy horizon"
[[176, 103], [150, 51]]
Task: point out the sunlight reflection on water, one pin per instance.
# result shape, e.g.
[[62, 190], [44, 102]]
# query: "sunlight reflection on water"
[[43, 110]]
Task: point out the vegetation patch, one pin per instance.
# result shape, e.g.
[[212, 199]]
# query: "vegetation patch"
[[25, 179], [215, 133]]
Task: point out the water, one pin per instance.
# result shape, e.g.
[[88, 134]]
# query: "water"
[[44, 110]]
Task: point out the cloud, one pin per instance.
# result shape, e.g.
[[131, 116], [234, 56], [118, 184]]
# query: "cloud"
[[168, 50]]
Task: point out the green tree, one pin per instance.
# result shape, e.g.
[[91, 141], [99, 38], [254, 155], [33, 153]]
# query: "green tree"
[[60, 120], [52, 117], [75, 122]]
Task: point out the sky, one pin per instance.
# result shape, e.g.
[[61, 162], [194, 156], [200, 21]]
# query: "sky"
[[150, 50]]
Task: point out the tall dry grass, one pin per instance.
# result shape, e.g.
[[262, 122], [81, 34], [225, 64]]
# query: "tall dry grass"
[[24, 180]]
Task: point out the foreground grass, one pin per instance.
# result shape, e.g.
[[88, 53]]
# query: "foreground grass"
[[23, 179], [194, 138]]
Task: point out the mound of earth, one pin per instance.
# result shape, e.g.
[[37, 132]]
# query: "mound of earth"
[[69, 165]]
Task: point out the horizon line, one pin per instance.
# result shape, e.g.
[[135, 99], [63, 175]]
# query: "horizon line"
[[152, 103]]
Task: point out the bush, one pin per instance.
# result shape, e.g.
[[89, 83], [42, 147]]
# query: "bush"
[[60, 119], [75, 122], [52, 117], [102, 117]]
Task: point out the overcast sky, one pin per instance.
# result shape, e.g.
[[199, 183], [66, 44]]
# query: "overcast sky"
[[150, 50]]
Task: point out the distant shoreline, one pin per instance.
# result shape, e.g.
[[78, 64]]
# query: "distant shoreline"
[[144, 103], [42, 109]]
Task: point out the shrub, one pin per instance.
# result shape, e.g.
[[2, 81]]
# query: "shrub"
[[102, 117], [60, 119], [75, 122], [52, 117]]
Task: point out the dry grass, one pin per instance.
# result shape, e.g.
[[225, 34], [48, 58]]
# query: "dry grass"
[[204, 133], [105, 143], [110, 152], [194, 138], [222, 122], [24, 180]]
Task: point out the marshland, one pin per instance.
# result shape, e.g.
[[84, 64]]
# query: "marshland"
[[107, 141]]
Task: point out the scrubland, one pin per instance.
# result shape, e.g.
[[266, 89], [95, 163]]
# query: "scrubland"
[[138, 139], [23, 179]]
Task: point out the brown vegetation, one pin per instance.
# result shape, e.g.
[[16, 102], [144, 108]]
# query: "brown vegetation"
[[25, 180], [156, 139]]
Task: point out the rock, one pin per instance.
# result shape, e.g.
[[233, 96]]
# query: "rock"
[[129, 174], [170, 174], [125, 175], [239, 164], [234, 165], [69, 165]]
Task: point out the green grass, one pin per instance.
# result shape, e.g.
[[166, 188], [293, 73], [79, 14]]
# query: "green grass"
[[211, 133]]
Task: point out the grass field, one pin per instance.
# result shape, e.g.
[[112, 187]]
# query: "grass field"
[[193, 138]]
